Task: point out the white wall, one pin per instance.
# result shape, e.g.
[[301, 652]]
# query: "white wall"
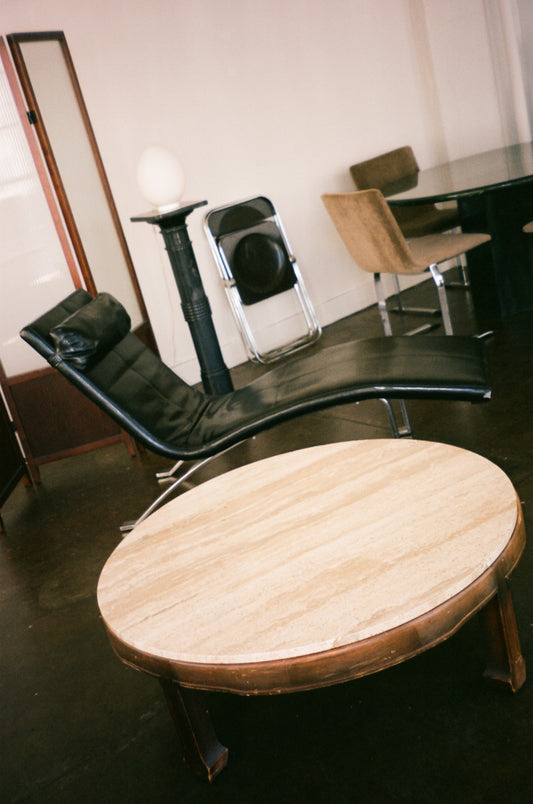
[[523, 21], [274, 97]]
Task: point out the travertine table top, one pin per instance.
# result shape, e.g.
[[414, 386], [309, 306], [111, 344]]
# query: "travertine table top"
[[307, 551]]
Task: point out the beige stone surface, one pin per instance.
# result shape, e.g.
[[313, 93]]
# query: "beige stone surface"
[[307, 551]]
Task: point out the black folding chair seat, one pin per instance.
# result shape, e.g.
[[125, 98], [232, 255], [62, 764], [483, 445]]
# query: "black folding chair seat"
[[89, 342]]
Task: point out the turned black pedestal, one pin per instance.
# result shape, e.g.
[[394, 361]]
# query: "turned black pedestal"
[[216, 378]]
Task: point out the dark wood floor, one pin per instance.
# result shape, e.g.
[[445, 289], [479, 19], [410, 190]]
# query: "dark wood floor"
[[78, 726]]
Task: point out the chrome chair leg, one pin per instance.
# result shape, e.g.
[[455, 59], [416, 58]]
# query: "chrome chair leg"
[[401, 308], [464, 282], [404, 430], [169, 474], [482, 335], [126, 527], [382, 305], [463, 270], [384, 313], [443, 299]]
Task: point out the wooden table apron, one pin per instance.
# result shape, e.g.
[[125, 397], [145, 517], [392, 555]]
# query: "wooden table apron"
[[494, 193], [317, 567]]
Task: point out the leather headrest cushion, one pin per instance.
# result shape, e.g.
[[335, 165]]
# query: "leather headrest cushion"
[[87, 335]]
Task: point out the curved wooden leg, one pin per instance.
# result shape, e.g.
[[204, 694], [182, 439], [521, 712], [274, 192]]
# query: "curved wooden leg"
[[506, 665], [203, 752]]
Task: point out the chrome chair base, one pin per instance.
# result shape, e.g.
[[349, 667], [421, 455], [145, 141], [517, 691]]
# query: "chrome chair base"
[[444, 311]]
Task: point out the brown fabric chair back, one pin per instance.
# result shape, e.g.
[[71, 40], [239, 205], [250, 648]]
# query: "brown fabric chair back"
[[382, 170], [401, 166], [370, 232]]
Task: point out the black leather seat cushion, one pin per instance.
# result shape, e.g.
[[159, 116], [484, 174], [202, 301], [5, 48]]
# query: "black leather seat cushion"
[[432, 367]]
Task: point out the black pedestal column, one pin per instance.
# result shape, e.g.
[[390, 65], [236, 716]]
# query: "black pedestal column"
[[216, 378]]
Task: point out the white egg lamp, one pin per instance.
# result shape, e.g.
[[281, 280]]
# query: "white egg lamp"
[[160, 178]]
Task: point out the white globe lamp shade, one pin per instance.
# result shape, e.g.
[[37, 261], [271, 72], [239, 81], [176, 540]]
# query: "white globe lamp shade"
[[160, 178]]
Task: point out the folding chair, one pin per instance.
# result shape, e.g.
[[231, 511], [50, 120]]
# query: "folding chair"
[[255, 262]]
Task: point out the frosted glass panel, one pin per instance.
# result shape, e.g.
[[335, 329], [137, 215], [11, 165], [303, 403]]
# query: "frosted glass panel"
[[34, 274], [65, 126]]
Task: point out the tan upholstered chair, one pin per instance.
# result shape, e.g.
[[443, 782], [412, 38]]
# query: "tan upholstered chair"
[[375, 241], [528, 228], [401, 166]]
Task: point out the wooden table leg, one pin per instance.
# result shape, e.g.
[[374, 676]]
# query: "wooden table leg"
[[506, 665], [203, 752]]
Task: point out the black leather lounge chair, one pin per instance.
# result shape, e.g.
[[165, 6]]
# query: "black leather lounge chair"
[[89, 341]]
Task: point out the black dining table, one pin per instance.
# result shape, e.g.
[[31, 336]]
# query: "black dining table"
[[494, 194]]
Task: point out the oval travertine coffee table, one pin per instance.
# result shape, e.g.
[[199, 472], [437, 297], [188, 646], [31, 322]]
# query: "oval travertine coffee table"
[[312, 568]]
